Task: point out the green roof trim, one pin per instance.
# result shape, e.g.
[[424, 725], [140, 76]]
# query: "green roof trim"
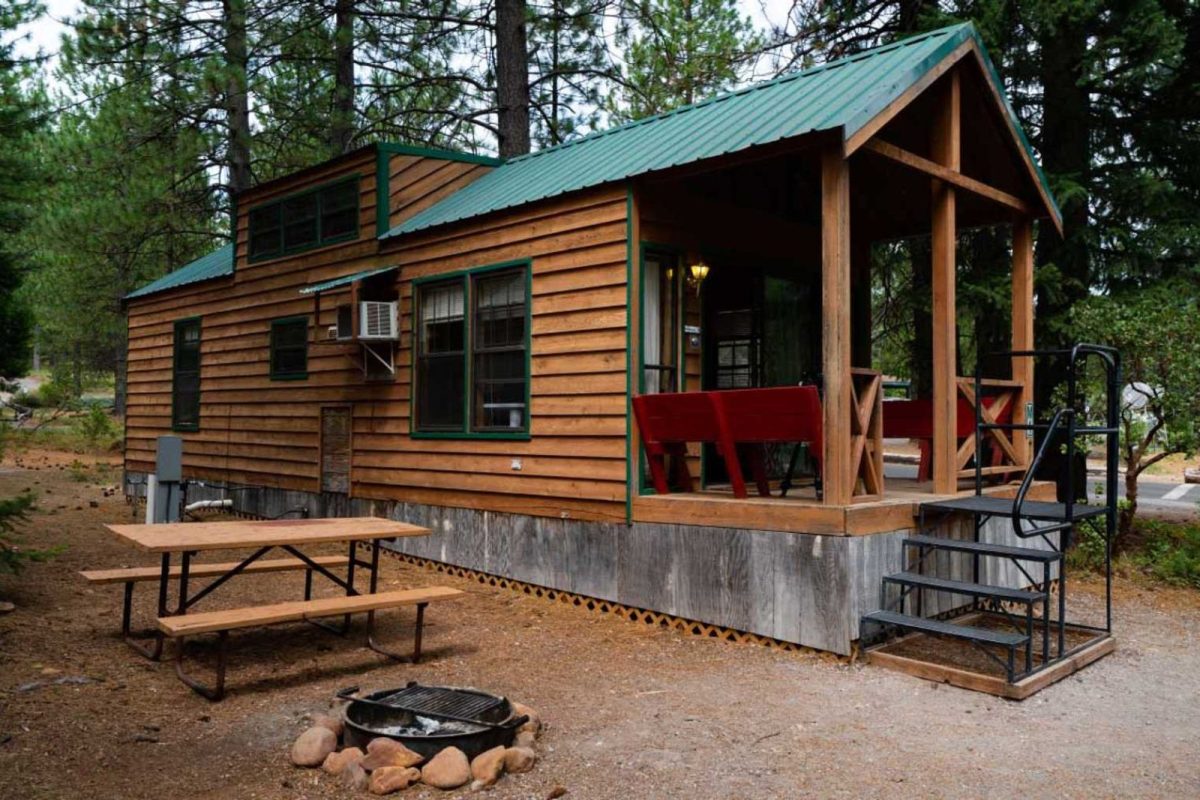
[[217, 264], [345, 279], [395, 148], [844, 94]]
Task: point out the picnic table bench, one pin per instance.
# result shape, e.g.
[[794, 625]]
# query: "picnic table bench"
[[189, 539]]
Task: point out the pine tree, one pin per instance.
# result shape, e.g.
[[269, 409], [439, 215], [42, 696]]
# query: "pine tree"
[[680, 51], [18, 122]]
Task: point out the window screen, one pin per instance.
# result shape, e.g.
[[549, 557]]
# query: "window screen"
[[265, 231], [472, 369], [289, 348], [315, 217], [499, 372], [185, 384], [300, 221], [339, 211], [441, 354]]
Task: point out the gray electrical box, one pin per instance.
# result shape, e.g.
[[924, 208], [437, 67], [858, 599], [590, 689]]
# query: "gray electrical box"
[[169, 464], [168, 487]]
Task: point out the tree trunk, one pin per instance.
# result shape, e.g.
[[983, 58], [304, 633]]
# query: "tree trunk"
[[512, 78], [77, 370], [237, 99], [341, 130], [1066, 153], [1128, 509]]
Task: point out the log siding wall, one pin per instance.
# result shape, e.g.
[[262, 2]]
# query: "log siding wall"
[[259, 432]]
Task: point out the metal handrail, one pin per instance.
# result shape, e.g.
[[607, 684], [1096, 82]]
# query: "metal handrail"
[[1027, 481]]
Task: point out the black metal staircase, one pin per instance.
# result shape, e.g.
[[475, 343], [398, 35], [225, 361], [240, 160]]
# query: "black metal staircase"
[[1014, 646]]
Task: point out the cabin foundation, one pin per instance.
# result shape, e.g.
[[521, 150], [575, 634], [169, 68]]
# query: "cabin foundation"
[[808, 589]]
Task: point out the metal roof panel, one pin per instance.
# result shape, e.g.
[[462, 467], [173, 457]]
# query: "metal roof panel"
[[841, 94], [217, 264]]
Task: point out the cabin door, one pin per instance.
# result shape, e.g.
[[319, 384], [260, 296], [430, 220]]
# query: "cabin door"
[[335, 448]]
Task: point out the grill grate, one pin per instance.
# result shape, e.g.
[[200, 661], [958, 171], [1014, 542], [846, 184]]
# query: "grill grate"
[[458, 703]]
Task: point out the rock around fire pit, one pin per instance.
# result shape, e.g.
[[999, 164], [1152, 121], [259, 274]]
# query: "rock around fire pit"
[[442, 736]]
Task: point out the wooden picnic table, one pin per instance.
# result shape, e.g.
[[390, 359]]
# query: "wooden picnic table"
[[292, 535]]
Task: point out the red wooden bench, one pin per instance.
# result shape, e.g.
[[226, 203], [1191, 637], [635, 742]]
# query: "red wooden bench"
[[735, 420], [748, 419], [913, 419], [667, 423]]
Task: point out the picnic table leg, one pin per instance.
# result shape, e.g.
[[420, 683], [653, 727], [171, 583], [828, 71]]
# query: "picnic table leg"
[[153, 653], [374, 582], [213, 693], [350, 579], [419, 627], [184, 573]]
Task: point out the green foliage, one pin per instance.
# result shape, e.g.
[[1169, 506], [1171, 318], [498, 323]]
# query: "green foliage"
[[1169, 552], [96, 427], [18, 179], [1088, 548], [13, 513], [678, 52], [1157, 331]]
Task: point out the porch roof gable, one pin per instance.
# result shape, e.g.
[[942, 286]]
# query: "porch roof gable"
[[846, 94]]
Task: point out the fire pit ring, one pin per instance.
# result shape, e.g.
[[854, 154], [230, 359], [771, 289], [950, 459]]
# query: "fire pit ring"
[[428, 719]]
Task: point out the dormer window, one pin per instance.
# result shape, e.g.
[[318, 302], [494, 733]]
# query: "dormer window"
[[314, 218]]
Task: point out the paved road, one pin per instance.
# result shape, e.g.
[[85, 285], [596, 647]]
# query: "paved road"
[[1156, 494], [1151, 493]]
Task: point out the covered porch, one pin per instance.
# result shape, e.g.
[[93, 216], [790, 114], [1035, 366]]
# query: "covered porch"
[[754, 272]]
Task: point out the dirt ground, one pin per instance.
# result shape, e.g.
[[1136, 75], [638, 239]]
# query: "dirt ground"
[[632, 711]]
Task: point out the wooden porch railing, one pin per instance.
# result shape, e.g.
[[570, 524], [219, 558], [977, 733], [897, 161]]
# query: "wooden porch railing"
[[866, 433], [1000, 406]]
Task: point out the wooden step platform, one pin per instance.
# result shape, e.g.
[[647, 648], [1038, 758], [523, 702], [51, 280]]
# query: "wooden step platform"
[[942, 663]]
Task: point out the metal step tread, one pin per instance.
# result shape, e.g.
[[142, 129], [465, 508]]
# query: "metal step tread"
[[983, 548], [965, 587], [985, 635], [1003, 506]]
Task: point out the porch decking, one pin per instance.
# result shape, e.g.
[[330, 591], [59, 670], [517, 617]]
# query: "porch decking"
[[802, 512]]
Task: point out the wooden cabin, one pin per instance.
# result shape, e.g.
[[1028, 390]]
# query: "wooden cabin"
[[458, 341]]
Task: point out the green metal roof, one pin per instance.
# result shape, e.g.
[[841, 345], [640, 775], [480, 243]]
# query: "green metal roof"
[[843, 94], [342, 281], [216, 264]]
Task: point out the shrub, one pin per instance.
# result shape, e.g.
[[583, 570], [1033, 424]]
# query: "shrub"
[[1170, 552], [13, 512], [96, 426]]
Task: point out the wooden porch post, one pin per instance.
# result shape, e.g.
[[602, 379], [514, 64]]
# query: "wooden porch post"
[[1022, 326], [835, 334], [945, 151]]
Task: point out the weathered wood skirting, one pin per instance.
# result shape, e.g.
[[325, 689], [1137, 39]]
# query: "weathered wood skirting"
[[807, 589]]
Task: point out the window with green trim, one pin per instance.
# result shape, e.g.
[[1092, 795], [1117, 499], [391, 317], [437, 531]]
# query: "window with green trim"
[[317, 217], [185, 376], [472, 353], [289, 349]]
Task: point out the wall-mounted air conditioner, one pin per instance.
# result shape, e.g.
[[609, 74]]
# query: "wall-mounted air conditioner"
[[377, 320]]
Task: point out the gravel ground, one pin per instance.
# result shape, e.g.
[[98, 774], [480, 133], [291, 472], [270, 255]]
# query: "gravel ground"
[[631, 711]]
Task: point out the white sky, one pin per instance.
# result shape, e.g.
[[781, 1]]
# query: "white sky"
[[45, 35]]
